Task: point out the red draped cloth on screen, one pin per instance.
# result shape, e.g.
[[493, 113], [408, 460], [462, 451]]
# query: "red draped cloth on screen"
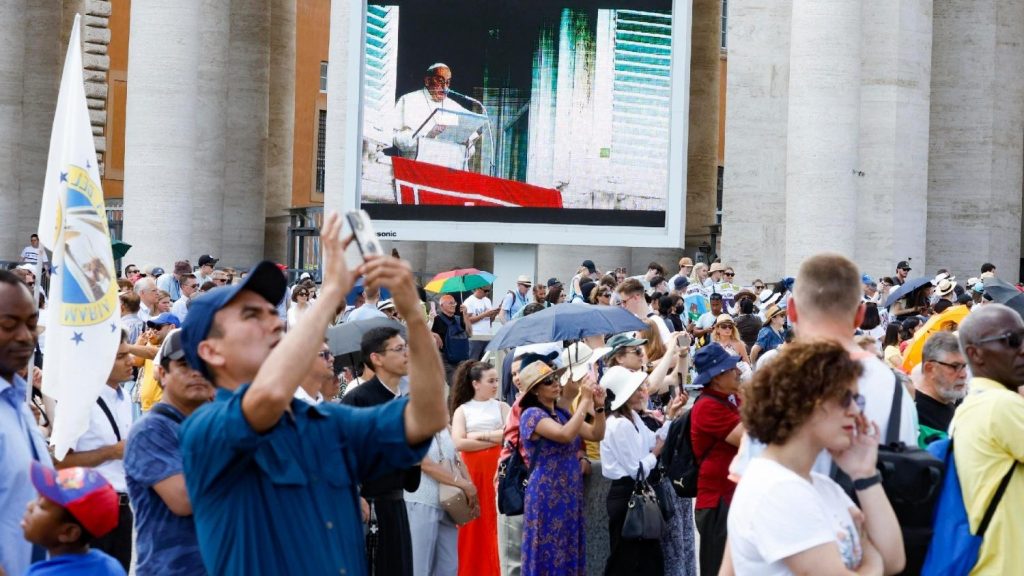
[[422, 183]]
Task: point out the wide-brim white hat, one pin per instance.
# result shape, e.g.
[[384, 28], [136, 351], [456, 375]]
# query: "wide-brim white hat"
[[622, 382]]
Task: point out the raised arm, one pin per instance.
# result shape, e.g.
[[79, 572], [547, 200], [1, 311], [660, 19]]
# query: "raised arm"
[[426, 413], [550, 428], [274, 387]]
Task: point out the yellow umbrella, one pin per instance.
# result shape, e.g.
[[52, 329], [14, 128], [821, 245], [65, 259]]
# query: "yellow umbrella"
[[947, 321]]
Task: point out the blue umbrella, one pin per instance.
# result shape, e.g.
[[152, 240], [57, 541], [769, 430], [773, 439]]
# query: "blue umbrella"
[[565, 322], [909, 286]]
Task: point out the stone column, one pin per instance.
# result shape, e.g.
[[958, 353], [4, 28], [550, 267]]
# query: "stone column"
[[974, 163], [43, 61], [281, 127], [702, 147], [339, 159], [892, 196], [823, 124], [211, 130], [160, 134], [12, 66], [754, 195], [248, 95]]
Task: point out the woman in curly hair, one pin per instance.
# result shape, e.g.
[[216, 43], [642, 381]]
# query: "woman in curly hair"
[[786, 519], [478, 422]]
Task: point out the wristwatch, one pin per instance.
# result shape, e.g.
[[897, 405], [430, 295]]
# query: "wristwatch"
[[865, 483]]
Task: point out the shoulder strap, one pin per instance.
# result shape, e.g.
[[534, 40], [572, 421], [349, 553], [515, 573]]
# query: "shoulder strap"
[[110, 417], [892, 432], [991, 511], [166, 412]]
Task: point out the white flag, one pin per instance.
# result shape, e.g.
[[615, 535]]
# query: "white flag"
[[83, 327]]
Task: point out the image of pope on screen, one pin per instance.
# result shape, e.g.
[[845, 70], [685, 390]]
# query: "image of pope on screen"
[[543, 105]]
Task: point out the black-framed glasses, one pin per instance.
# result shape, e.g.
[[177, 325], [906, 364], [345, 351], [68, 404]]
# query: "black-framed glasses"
[[548, 381], [636, 351], [326, 355], [853, 398], [730, 274], [955, 366], [1012, 339], [756, 287], [302, 294]]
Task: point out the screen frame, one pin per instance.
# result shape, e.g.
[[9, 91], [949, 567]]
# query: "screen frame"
[[670, 235]]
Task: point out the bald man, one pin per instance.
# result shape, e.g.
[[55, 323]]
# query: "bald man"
[[452, 325], [413, 109]]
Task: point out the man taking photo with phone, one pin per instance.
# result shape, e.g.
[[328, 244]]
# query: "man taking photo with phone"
[[273, 480]]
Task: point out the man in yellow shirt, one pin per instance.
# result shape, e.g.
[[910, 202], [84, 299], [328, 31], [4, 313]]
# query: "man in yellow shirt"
[[989, 432], [151, 392]]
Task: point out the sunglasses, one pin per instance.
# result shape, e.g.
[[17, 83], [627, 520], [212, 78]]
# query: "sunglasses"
[[548, 382], [1012, 339], [850, 398], [758, 287], [728, 326], [302, 293], [730, 274], [326, 355]]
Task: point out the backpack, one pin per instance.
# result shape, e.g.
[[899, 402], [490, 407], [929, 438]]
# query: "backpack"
[[678, 458], [912, 480], [456, 341], [954, 549]]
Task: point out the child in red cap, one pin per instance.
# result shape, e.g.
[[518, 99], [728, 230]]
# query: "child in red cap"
[[75, 506]]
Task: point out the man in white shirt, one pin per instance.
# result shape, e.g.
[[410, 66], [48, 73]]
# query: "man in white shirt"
[[480, 311], [321, 370], [413, 109], [189, 289], [149, 295], [102, 447], [34, 253], [631, 293]]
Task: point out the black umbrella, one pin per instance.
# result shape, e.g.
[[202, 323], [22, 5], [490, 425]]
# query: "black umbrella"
[[909, 286], [1005, 293], [346, 339]]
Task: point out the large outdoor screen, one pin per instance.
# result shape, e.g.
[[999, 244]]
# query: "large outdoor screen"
[[554, 114]]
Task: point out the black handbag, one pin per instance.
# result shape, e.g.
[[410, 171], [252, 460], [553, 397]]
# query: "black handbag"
[[513, 475], [644, 520], [663, 492]]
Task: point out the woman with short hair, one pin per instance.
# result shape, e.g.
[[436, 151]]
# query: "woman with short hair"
[[786, 519]]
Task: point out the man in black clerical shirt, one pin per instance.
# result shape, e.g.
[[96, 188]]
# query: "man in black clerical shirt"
[[943, 385], [389, 547]]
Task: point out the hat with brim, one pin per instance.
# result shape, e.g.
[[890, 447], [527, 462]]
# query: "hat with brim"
[[945, 287], [710, 361], [744, 293], [768, 297], [771, 312], [724, 319], [622, 382], [266, 279], [537, 372], [716, 267], [388, 304], [620, 341], [524, 279], [579, 358]]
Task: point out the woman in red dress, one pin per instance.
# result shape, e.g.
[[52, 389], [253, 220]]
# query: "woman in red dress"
[[478, 422]]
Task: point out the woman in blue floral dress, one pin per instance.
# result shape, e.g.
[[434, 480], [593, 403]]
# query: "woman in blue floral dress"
[[553, 527]]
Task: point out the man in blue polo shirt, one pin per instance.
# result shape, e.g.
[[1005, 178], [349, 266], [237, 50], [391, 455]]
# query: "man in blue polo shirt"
[[165, 539], [273, 480]]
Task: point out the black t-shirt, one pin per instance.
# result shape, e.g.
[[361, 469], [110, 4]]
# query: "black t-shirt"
[[373, 393], [933, 413]]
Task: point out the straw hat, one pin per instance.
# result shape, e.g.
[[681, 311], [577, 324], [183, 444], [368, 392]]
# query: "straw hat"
[[716, 267], [945, 287], [622, 382], [536, 372]]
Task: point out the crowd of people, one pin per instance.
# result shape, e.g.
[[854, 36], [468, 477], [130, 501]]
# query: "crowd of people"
[[230, 439]]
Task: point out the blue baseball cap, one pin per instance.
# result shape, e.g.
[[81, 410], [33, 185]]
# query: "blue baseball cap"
[[710, 361], [266, 279], [866, 279], [163, 320]]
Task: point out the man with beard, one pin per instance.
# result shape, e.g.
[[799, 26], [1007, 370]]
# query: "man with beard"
[[943, 385]]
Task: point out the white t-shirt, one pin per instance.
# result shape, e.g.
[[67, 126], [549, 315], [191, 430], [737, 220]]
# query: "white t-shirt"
[[32, 255], [706, 320], [477, 306], [776, 514]]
